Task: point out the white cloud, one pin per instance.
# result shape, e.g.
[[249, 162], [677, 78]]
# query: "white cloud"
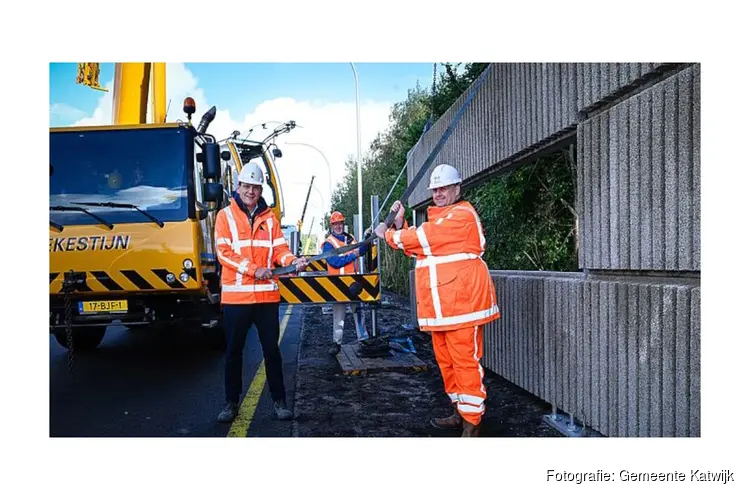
[[329, 126], [65, 112]]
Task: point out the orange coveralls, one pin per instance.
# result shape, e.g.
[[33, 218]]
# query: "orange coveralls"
[[455, 297]]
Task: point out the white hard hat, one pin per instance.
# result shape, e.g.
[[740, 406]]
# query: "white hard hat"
[[251, 173], [444, 175]]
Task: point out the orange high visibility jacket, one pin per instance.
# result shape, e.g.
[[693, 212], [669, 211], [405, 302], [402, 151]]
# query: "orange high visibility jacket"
[[350, 268], [453, 284], [242, 250]]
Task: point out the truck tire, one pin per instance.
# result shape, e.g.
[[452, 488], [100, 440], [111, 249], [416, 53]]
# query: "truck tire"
[[84, 339]]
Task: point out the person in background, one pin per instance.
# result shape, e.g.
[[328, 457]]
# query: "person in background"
[[343, 264]]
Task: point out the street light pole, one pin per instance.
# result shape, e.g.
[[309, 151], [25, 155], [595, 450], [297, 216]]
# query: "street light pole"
[[360, 219], [330, 184], [359, 157]]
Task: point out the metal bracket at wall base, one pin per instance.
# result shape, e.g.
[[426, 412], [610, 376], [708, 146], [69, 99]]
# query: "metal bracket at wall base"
[[565, 425]]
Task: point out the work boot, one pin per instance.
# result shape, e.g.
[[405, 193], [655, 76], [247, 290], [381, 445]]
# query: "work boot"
[[228, 413], [451, 422], [281, 411], [470, 430], [334, 350]]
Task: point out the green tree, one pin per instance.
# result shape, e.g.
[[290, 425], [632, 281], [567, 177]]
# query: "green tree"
[[529, 217]]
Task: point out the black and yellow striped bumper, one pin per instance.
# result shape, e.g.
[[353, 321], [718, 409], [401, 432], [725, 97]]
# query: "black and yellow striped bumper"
[[129, 280]]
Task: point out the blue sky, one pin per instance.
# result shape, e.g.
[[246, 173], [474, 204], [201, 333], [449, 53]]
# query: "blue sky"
[[319, 97], [240, 87]]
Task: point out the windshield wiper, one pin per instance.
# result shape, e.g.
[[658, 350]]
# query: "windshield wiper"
[[56, 225], [79, 209], [109, 204]]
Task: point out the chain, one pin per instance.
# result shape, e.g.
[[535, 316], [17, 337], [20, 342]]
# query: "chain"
[[67, 289]]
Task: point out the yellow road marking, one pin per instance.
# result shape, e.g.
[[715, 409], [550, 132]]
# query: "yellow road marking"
[[249, 404]]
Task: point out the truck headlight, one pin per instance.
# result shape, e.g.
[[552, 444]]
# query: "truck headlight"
[[187, 264], [184, 277]]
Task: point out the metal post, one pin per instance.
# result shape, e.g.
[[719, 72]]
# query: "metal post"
[[353, 306], [356, 225], [374, 209], [295, 239]]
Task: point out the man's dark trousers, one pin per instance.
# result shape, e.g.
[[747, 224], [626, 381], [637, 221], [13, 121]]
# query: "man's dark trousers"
[[238, 318]]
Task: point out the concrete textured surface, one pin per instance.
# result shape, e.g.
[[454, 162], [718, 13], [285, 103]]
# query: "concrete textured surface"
[[520, 107], [620, 351], [639, 180], [621, 355]]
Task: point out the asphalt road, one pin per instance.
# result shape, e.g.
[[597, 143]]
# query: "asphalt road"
[[162, 384]]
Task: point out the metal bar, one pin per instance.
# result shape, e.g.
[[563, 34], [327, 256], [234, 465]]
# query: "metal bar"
[[374, 210]]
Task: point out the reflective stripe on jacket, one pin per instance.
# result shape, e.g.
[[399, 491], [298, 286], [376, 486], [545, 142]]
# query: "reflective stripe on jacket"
[[454, 288], [241, 250]]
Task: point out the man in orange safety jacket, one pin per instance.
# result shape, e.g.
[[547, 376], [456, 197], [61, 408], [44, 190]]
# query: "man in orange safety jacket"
[[455, 293], [249, 243], [343, 264]]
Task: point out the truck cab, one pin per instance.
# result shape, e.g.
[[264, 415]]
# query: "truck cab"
[[131, 232]]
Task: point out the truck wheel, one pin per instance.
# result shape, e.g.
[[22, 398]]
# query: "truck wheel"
[[84, 339]]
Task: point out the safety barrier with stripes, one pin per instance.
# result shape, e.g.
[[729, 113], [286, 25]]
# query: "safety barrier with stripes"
[[330, 288], [321, 287]]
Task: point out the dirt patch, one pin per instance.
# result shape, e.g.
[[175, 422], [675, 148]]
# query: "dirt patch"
[[391, 404]]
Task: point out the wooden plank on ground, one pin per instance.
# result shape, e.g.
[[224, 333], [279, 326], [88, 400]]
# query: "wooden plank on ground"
[[354, 361], [352, 364], [344, 362]]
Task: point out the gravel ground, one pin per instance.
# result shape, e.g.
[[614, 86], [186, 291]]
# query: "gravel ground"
[[392, 404]]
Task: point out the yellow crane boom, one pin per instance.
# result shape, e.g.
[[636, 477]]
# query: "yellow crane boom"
[[304, 209], [131, 90]]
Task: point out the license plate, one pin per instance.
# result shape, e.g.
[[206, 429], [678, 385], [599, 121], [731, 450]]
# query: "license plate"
[[103, 306]]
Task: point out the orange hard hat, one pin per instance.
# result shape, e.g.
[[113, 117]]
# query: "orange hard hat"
[[336, 217]]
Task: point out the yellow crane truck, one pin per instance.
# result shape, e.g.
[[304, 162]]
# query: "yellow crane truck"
[[132, 212], [131, 228], [132, 206]]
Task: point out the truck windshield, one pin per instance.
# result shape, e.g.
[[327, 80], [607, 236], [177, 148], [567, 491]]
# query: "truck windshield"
[[145, 167]]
